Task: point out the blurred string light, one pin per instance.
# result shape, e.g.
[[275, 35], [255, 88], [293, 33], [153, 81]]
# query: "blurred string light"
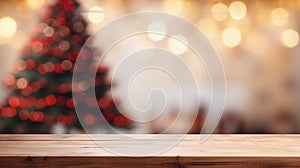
[[96, 14], [231, 37], [279, 17], [8, 27], [35, 4], [237, 10], [290, 38], [177, 46], [219, 11], [159, 28]]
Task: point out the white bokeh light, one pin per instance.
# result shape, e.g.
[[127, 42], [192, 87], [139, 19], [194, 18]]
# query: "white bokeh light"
[[237, 10], [231, 37], [8, 27], [177, 46], [157, 31], [290, 38], [96, 14]]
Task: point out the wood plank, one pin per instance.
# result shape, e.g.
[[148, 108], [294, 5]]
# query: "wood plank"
[[82, 137], [150, 162], [218, 150]]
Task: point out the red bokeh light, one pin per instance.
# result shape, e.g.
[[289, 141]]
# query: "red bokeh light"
[[50, 100], [89, 119], [120, 120], [70, 103], [26, 91], [9, 80], [57, 52], [57, 68], [14, 101], [64, 88], [40, 103], [41, 69], [62, 119], [30, 64], [60, 21], [8, 112], [23, 103], [36, 116]]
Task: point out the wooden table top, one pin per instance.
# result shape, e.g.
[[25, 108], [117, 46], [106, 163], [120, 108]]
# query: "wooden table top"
[[78, 150]]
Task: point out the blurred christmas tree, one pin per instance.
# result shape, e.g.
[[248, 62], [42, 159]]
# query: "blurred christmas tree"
[[41, 86]]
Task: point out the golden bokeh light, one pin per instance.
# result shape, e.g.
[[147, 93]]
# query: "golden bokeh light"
[[96, 14], [157, 31], [290, 38], [35, 4], [177, 46], [219, 11], [279, 17], [8, 27], [237, 10], [22, 83], [231, 37]]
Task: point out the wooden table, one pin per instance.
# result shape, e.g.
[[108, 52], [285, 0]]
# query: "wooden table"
[[218, 151]]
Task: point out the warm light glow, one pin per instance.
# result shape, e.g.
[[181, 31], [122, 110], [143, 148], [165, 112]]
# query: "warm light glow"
[[177, 46], [237, 10], [48, 31], [37, 46], [20, 65], [48, 67], [219, 11], [22, 83], [159, 28], [231, 37], [9, 80], [34, 4], [290, 38], [8, 27], [174, 7], [209, 27], [96, 14], [279, 17]]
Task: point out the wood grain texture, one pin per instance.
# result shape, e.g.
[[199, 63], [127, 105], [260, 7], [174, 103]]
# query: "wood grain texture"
[[218, 151]]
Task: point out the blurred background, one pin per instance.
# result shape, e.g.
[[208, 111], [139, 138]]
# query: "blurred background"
[[257, 42]]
